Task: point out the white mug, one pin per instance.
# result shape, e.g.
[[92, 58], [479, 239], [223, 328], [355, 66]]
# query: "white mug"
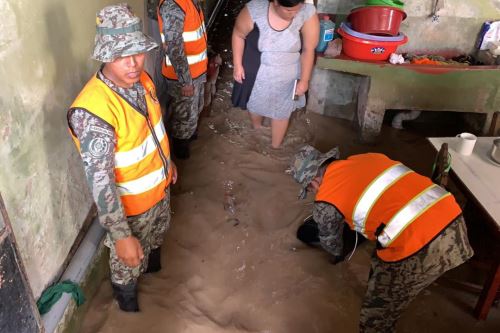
[[466, 143]]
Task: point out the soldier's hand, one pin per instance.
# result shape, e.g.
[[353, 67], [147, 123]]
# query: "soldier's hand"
[[174, 173], [188, 90], [129, 251]]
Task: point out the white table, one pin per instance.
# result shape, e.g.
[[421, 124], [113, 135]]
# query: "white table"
[[478, 172], [480, 176]]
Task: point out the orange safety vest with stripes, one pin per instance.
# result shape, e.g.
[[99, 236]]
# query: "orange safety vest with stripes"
[[385, 201], [195, 40], [142, 155]]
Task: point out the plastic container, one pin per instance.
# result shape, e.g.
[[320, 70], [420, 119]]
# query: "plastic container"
[[368, 47], [392, 3], [326, 32], [377, 20]]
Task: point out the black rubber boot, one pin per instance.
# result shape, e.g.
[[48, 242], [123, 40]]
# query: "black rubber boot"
[[308, 232], [154, 261], [126, 296], [181, 148]]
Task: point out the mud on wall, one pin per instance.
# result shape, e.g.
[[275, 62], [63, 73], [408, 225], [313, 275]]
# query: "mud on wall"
[[44, 62], [454, 32]]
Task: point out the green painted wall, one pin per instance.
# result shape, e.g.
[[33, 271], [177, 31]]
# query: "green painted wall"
[[44, 62]]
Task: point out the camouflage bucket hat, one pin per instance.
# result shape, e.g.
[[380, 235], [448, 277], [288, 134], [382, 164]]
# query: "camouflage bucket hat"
[[306, 163], [119, 34]]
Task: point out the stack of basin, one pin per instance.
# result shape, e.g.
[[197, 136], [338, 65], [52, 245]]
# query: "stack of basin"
[[372, 31]]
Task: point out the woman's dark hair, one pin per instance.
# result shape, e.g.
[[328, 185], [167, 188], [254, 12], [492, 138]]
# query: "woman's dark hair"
[[288, 3]]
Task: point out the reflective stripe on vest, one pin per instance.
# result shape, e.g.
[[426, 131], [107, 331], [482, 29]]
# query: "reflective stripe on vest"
[[411, 211], [190, 36], [127, 158], [142, 157], [143, 184], [192, 59], [373, 192]]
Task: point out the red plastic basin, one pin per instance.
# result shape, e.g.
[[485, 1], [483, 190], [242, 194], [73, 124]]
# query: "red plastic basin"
[[377, 20], [366, 49]]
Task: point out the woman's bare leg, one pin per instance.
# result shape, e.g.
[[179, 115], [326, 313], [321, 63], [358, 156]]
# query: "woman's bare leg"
[[256, 120], [278, 131]]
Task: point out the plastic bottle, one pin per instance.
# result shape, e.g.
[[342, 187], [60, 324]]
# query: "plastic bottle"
[[326, 33]]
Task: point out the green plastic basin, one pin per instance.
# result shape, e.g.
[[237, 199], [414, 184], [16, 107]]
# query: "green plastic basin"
[[392, 3]]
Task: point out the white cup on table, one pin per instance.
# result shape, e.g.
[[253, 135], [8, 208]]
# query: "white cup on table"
[[466, 143]]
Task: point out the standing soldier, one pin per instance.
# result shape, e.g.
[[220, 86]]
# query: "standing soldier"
[[182, 29], [417, 225], [117, 126]]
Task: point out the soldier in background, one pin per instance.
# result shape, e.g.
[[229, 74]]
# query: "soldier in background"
[[417, 225], [117, 126], [182, 28]]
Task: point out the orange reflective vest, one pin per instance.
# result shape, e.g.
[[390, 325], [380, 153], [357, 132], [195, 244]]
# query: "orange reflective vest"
[[195, 40], [386, 201], [142, 156]]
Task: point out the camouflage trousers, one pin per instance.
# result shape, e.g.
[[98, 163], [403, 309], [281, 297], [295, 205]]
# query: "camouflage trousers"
[[392, 286], [149, 228], [185, 111]]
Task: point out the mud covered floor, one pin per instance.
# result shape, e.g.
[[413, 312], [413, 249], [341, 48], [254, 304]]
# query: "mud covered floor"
[[247, 272]]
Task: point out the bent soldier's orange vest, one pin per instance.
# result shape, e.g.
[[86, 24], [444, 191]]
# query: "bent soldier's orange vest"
[[142, 156], [386, 201], [195, 40]]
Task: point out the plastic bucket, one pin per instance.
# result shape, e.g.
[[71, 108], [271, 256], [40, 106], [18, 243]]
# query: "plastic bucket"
[[367, 47], [378, 20]]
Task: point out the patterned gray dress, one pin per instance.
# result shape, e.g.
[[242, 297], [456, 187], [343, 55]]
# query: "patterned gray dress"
[[280, 63]]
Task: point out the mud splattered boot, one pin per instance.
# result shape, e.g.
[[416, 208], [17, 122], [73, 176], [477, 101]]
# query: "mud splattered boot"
[[126, 296], [181, 148], [154, 261]]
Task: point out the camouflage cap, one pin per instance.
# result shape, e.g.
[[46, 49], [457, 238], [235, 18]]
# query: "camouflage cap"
[[119, 34], [306, 163]]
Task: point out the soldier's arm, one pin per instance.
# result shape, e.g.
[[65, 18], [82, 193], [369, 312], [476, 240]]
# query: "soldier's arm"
[[331, 226], [173, 27], [97, 148]]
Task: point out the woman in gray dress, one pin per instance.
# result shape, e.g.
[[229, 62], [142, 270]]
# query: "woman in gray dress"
[[288, 32]]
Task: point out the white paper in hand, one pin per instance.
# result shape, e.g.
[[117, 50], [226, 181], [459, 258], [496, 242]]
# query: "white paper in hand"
[[294, 92]]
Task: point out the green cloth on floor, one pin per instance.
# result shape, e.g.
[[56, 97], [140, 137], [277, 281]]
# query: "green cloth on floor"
[[52, 294]]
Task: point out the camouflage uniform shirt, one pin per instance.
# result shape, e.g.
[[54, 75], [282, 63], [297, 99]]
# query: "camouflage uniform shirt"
[[173, 26], [99, 164]]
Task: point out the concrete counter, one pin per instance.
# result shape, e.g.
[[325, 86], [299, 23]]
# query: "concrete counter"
[[417, 87]]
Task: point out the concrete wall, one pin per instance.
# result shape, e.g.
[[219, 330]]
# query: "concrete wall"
[[454, 33], [44, 62]]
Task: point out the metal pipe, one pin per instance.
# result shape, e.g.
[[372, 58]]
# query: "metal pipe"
[[76, 271], [397, 121]]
